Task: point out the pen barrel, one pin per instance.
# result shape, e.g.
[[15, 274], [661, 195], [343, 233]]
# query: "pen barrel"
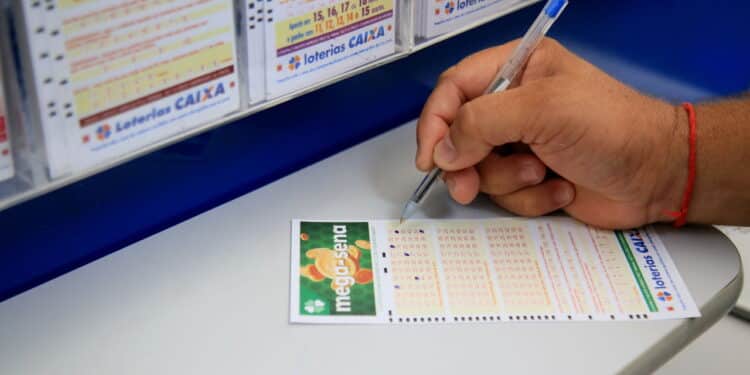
[[526, 47], [425, 186], [505, 76]]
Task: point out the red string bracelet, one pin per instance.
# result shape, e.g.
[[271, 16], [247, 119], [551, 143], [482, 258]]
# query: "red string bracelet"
[[681, 215]]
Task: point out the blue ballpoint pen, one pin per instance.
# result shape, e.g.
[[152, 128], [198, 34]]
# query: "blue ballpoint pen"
[[503, 79]]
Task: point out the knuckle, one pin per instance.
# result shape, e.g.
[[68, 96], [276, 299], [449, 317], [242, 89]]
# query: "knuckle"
[[547, 56], [546, 51], [465, 118], [445, 75], [550, 43], [528, 163], [449, 74]]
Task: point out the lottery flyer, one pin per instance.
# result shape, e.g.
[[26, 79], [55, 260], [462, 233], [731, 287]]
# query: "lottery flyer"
[[254, 20], [435, 17], [308, 41], [492, 270], [112, 76], [6, 157]]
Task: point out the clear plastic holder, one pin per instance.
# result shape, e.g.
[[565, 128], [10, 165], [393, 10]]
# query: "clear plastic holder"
[[310, 44], [435, 21], [107, 78], [32, 148], [7, 170], [17, 162]]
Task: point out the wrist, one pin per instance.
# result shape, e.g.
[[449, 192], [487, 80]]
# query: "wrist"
[[670, 166]]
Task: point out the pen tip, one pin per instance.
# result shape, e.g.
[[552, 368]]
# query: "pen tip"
[[407, 212]]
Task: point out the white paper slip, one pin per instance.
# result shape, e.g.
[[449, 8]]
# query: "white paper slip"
[[112, 76], [6, 155], [441, 16], [309, 41], [254, 20], [492, 270]]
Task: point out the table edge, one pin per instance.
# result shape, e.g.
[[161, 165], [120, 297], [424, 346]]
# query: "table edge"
[[688, 330]]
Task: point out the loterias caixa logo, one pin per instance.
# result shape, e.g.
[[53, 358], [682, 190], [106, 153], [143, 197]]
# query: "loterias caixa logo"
[[151, 116], [103, 132], [452, 6], [294, 62], [647, 269], [325, 54]]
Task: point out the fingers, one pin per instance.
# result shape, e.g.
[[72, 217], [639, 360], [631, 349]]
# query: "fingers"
[[463, 185], [537, 200], [500, 175], [528, 114], [468, 80], [495, 175], [437, 115]]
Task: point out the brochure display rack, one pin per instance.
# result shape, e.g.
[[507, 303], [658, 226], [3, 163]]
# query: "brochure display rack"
[[109, 81]]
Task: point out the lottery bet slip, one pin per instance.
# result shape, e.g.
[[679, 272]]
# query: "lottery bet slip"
[[435, 17], [112, 76], [309, 41], [490, 270]]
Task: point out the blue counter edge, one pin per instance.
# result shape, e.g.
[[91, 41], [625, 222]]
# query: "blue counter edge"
[[56, 233]]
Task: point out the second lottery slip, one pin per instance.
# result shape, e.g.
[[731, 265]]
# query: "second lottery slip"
[[254, 21], [481, 271], [310, 41], [112, 76], [435, 17]]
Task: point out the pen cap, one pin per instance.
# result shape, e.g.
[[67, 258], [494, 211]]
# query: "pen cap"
[[554, 7]]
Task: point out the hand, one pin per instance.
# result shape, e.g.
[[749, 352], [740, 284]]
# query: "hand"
[[610, 146]]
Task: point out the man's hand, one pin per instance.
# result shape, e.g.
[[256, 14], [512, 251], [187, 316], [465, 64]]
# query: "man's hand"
[[610, 147]]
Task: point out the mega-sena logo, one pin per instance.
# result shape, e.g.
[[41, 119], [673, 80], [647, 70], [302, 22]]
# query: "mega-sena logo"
[[360, 39]]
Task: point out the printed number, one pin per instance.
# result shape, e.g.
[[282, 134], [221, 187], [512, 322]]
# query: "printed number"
[[318, 16]]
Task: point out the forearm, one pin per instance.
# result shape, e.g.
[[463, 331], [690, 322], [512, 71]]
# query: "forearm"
[[722, 185]]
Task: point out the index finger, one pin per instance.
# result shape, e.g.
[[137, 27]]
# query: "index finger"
[[468, 80], [456, 86]]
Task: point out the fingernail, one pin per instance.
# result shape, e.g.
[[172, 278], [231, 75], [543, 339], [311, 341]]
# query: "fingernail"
[[530, 174], [445, 152], [563, 195]]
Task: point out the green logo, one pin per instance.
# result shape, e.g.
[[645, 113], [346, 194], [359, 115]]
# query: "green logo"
[[315, 306], [336, 269]]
